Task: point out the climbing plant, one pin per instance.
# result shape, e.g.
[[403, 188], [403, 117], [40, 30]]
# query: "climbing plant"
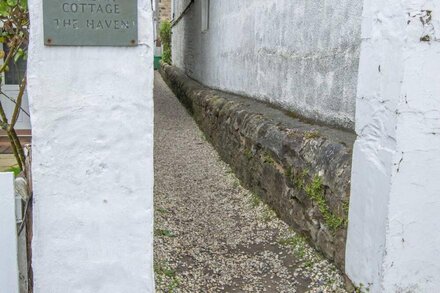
[[165, 37], [14, 26]]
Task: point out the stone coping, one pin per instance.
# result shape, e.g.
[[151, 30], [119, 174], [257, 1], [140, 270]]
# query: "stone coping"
[[302, 170]]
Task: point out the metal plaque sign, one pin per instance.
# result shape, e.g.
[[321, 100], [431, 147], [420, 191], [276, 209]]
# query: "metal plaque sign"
[[90, 22]]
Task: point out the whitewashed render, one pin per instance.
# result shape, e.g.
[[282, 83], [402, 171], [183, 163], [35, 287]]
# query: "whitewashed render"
[[92, 119], [394, 232], [8, 236], [301, 55]]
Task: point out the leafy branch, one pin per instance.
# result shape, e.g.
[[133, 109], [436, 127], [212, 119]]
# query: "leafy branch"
[[14, 34]]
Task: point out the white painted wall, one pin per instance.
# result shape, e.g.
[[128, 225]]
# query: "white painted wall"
[[394, 233], [302, 55], [92, 119], [8, 236]]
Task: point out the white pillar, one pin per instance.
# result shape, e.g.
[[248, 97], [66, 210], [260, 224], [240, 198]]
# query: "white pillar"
[[393, 240], [8, 236], [92, 119]]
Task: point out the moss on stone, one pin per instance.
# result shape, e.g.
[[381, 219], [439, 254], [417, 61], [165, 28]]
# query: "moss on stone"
[[268, 159], [248, 154], [216, 101], [315, 191], [312, 134], [288, 172], [346, 207], [300, 179], [255, 200]]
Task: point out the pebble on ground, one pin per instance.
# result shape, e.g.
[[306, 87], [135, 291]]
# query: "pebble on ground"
[[212, 235]]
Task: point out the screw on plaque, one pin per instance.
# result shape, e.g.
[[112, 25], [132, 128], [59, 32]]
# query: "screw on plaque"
[[49, 41], [133, 42]]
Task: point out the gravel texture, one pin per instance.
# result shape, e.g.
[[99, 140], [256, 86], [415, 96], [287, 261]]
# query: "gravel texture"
[[301, 169], [212, 235]]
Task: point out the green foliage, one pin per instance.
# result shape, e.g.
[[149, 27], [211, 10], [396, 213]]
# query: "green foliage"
[[162, 211], [165, 37], [361, 289], [165, 274], [16, 170], [268, 159], [255, 200], [166, 55], [14, 16], [300, 179], [288, 172], [315, 192], [14, 33], [312, 134], [6, 6], [248, 154], [346, 207], [269, 214], [297, 243], [164, 233]]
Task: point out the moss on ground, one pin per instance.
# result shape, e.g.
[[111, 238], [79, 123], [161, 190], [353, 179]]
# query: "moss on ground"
[[297, 243], [165, 274], [255, 200], [164, 233]]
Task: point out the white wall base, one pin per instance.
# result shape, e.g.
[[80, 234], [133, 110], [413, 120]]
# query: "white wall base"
[[8, 236], [394, 237]]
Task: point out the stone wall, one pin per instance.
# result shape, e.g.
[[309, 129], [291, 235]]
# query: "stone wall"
[[300, 169], [300, 55], [164, 11]]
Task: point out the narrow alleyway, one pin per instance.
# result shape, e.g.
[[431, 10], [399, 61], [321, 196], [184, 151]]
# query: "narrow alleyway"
[[211, 235]]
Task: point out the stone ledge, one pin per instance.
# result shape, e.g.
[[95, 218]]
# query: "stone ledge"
[[300, 169]]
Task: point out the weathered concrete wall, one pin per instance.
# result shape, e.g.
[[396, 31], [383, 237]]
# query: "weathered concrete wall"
[[394, 232], [92, 119], [301, 55], [301, 170]]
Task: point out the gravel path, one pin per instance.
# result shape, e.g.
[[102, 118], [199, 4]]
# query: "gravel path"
[[212, 235]]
